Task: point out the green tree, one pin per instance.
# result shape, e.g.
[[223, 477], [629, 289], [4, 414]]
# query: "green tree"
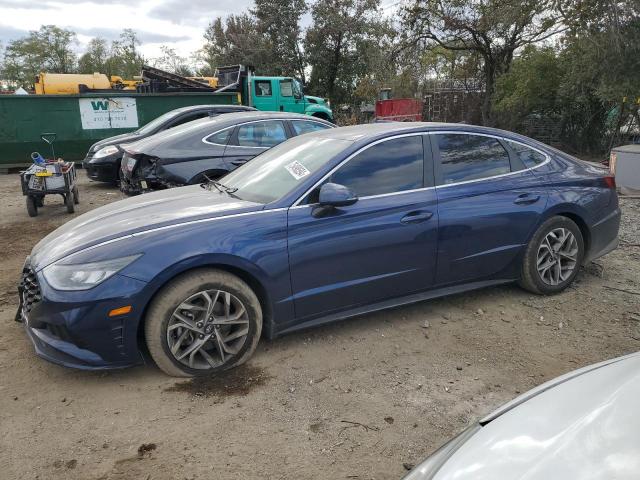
[[172, 62], [124, 58], [48, 49], [95, 58], [279, 22], [494, 29], [237, 40], [341, 45], [531, 86]]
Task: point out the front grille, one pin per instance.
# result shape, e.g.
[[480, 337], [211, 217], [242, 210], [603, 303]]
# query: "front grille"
[[29, 288]]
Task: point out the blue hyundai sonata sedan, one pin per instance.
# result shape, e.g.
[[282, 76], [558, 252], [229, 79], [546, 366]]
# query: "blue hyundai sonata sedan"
[[325, 226]]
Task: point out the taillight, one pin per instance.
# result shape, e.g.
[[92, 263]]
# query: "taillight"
[[610, 182], [612, 162]]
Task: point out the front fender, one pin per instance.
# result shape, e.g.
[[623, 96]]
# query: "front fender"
[[312, 109]]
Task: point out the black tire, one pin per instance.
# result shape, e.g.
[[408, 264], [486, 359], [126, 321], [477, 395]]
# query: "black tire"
[[531, 279], [69, 202], [32, 206], [76, 196], [40, 201], [177, 292]]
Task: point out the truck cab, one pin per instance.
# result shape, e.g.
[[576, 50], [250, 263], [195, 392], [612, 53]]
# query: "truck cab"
[[285, 94]]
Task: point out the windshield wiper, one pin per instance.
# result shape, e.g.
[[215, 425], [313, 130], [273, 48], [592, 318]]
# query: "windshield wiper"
[[219, 186]]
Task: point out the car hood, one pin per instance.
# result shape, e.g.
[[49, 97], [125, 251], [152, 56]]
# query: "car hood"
[[116, 140], [135, 215], [319, 100], [585, 427]]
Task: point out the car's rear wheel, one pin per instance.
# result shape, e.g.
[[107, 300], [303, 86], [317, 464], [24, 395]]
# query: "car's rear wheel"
[[203, 322], [553, 257]]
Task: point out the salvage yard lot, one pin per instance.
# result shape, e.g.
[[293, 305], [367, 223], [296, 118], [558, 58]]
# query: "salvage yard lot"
[[356, 399]]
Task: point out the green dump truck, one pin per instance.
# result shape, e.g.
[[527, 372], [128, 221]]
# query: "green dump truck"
[[80, 120]]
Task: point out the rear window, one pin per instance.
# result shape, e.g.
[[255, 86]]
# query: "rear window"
[[529, 156]]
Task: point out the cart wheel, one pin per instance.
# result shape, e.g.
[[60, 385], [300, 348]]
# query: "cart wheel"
[[32, 207], [68, 201], [76, 197]]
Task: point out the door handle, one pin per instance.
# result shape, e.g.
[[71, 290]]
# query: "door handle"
[[526, 199], [237, 163], [416, 217]]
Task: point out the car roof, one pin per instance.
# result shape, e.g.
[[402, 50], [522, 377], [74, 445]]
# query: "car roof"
[[358, 132], [213, 124], [235, 118], [365, 133], [195, 108]]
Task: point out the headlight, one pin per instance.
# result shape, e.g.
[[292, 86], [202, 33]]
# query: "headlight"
[[84, 276], [427, 469], [106, 151]]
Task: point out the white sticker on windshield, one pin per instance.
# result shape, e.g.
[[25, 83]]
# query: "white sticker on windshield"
[[297, 170]]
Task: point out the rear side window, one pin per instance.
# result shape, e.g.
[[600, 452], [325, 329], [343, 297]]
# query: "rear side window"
[[388, 167], [471, 157], [302, 126], [221, 137], [261, 134], [263, 88], [529, 156]]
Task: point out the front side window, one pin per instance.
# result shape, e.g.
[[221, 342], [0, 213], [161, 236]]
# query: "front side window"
[[391, 166], [286, 88], [467, 157], [303, 126], [529, 157], [261, 134], [263, 88]]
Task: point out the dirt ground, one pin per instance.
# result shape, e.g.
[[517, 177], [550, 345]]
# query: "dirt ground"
[[364, 398]]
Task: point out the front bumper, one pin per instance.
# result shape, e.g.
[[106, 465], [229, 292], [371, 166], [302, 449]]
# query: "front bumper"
[[104, 171], [74, 329]]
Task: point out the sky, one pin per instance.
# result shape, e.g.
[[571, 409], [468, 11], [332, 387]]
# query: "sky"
[[177, 23]]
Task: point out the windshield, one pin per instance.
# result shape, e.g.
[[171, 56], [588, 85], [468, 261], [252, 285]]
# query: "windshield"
[[277, 171], [153, 124]]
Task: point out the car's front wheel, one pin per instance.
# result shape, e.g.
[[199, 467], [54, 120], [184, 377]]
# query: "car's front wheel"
[[553, 257], [203, 322]]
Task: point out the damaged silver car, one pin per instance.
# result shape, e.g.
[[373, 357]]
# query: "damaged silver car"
[[208, 148]]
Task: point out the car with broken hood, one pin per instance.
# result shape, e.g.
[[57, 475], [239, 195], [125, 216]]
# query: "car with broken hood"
[[581, 425], [208, 148], [102, 162]]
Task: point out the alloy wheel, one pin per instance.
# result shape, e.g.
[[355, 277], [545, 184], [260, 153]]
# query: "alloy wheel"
[[557, 256], [207, 329]]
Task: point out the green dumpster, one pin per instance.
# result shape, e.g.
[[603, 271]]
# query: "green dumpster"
[[80, 120]]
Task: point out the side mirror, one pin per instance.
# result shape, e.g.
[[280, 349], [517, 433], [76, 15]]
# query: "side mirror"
[[334, 195], [297, 95]]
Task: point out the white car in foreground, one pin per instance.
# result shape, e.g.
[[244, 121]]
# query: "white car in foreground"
[[584, 425]]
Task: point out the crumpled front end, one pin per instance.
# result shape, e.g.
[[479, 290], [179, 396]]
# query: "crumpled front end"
[[138, 174]]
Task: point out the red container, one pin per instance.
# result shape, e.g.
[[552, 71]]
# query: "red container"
[[399, 110]]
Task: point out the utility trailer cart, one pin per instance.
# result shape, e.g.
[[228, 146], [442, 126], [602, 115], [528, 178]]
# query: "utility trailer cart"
[[52, 177]]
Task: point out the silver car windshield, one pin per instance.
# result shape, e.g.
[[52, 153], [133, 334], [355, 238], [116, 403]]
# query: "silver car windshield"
[[276, 172]]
